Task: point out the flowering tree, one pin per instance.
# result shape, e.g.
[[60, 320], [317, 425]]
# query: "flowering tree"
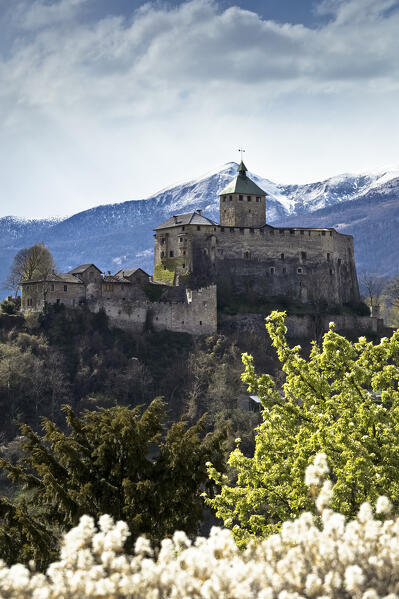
[[344, 401], [116, 461], [313, 556]]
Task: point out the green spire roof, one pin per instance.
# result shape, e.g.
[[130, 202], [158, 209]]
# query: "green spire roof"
[[243, 184]]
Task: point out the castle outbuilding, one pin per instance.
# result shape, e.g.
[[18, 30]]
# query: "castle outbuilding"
[[248, 258]]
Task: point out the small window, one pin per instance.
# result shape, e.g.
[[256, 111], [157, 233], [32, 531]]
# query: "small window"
[[249, 211], [258, 199], [222, 229], [251, 230], [242, 230], [171, 253], [57, 301], [181, 239], [323, 233], [282, 256], [247, 255], [331, 271], [284, 270], [224, 199], [162, 254], [303, 255], [272, 270], [201, 322], [302, 232], [328, 257], [241, 198], [299, 270], [184, 266], [231, 198], [330, 234], [292, 232], [184, 252], [182, 321], [183, 228], [65, 287], [231, 229], [249, 198], [198, 228], [339, 261]]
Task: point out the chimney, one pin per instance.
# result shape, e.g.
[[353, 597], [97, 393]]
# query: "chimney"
[[175, 219], [199, 211]]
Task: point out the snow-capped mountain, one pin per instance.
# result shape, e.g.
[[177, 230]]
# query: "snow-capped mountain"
[[120, 235]]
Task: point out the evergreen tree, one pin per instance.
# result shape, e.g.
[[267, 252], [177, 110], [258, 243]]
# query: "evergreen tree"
[[342, 401], [115, 461]]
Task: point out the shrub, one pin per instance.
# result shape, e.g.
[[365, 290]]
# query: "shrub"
[[313, 556]]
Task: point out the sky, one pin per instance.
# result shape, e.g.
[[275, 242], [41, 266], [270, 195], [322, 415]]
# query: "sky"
[[103, 101]]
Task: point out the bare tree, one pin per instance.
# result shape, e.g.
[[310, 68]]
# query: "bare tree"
[[374, 286], [31, 263], [391, 293]]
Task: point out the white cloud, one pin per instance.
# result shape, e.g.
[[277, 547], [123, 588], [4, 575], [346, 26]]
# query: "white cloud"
[[77, 97]]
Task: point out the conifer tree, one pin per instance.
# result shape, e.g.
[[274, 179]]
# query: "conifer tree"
[[115, 461]]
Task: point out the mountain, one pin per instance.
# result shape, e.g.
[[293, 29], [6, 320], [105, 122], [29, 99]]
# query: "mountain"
[[119, 235]]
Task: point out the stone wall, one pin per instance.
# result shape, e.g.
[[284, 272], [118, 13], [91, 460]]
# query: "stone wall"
[[195, 314], [303, 264], [308, 326], [34, 295]]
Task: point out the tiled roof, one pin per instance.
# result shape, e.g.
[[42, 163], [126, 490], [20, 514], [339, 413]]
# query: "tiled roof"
[[128, 272], [191, 218], [54, 277], [82, 268], [114, 279]]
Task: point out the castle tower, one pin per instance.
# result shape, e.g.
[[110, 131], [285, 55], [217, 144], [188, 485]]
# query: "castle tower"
[[242, 202]]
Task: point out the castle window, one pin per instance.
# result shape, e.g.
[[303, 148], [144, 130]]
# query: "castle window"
[[247, 255], [171, 253], [182, 321], [65, 287], [198, 228], [309, 233], [162, 254], [224, 199], [230, 198], [284, 270], [323, 233], [222, 229], [201, 322], [282, 256], [240, 198], [251, 230], [339, 261], [184, 252], [57, 301], [181, 239], [29, 301], [183, 228], [272, 270], [328, 257], [162, 240], [249, 198], [184, 266], [214, 228], [249, 211], [292, 232], [299, 270], [331, 271], [231, 229], [258, 199], [303, 255], [330, 234]]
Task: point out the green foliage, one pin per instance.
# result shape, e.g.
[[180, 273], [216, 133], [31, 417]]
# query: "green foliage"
[[342, 401], [116, 461], [164, 274], [8, 307]]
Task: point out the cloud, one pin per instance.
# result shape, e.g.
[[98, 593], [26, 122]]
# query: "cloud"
[[79, 94]]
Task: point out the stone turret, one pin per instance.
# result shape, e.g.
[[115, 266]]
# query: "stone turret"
[[242, 202]]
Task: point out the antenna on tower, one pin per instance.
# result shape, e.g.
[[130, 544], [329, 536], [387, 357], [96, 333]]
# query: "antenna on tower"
[[242, 151]]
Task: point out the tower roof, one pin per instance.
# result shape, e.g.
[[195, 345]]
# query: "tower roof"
[[243, 184]]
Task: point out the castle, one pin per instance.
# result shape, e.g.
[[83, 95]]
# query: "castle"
[[198, 261]]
